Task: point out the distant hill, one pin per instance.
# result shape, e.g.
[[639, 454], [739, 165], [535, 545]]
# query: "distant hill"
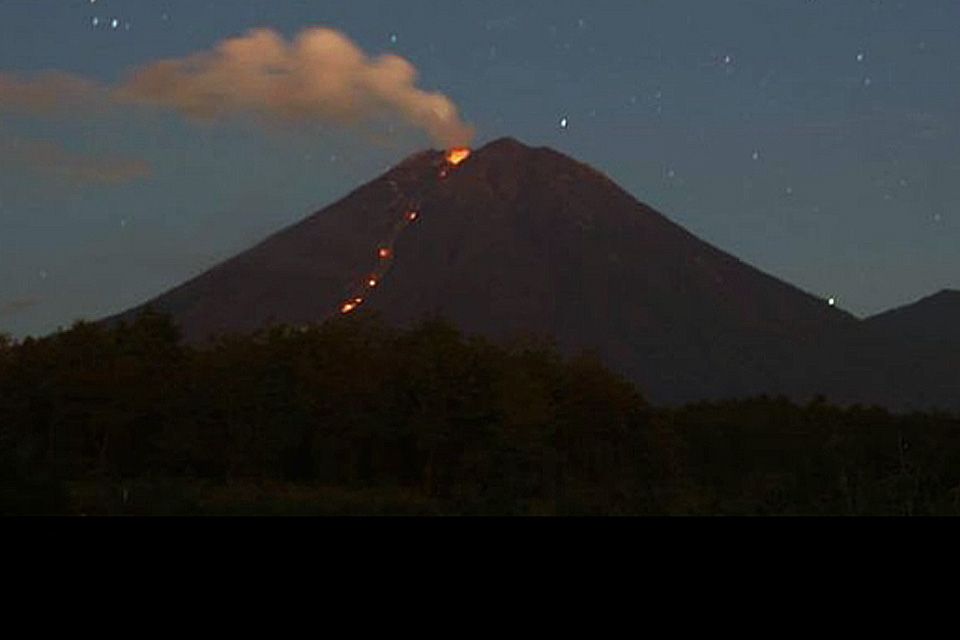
[[934, 319], [521, 240], [912, 353]]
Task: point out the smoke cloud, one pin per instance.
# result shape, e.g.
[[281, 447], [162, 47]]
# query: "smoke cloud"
[[47, 92], [319, 76], [53, 159]]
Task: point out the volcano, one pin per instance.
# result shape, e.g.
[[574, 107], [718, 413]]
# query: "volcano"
[[519, 240]]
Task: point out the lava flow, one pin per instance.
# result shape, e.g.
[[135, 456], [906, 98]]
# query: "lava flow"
[[385, 255], [351, 305], [454, 158]]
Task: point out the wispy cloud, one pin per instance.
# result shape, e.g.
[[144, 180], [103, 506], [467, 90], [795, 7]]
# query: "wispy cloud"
[[48, 92], [55, 160]]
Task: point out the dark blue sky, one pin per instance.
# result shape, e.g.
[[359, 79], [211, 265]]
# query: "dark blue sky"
[[818, 140]]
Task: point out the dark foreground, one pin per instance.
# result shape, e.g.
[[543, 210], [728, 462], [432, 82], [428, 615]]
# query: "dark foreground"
[[352, 417]]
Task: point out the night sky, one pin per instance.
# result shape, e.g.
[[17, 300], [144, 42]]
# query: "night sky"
[[817, 140]]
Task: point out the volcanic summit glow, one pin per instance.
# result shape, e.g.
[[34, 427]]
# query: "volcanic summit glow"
[[458, 155]]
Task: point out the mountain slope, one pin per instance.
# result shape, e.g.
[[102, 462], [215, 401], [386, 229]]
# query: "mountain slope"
[[517, 239]]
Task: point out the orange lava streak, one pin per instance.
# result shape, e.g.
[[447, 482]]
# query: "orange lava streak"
[[412, 215], [458, 155], [351, 305]]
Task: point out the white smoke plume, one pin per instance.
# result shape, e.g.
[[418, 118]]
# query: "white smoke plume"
[[319, 76]]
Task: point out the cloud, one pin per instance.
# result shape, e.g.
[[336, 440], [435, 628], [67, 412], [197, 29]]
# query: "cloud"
[[47, 92], [53, 159], [321, 75]]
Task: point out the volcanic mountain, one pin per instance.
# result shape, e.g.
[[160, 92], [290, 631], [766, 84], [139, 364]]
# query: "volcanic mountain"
[[526, 240]]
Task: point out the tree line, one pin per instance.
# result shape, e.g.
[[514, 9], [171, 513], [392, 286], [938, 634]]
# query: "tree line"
[[354, 416]]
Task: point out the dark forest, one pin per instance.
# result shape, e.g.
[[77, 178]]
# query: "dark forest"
[[355, 417]]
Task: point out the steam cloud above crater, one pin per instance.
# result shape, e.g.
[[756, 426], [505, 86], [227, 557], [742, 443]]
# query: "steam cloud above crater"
[[319, 76]]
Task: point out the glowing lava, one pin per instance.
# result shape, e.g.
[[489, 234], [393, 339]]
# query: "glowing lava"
[[458, 155], [351, 306], [385, 253]]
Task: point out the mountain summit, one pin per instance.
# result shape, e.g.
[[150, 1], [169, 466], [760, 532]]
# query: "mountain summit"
[[515, 239]]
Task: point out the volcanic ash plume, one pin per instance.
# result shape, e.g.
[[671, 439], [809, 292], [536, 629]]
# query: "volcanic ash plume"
[[321, 75]]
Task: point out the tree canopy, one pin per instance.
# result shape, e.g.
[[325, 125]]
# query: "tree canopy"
[[354, 416]]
